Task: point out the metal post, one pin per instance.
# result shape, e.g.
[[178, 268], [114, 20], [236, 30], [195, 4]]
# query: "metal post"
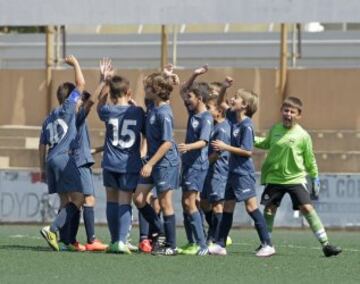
[[49, 62], [174, 47], [283, 61], [164, 47]]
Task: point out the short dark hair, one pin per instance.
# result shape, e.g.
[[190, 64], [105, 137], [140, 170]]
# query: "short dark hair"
[[85, 96], [293, 102], [64, 90], [119, 86], [200, 90]]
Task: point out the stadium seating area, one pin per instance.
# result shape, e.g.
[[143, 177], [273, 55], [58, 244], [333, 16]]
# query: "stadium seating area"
[[336, 151]]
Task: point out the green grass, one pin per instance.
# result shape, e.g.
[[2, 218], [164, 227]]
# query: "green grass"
[[26, 258]]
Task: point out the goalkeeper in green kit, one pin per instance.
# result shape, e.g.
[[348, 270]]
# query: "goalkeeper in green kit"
[[289, 160]]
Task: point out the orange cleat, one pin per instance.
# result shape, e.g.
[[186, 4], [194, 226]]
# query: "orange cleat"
[[145, 246], [96, 245], [77, 247]]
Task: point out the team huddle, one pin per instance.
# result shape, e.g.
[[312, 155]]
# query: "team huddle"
[[142, 164]]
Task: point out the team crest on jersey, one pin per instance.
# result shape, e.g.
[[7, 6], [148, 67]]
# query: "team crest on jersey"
[[152, 119], [236, 132], [195, 123]]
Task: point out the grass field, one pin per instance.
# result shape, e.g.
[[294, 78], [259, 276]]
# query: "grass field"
[[26, 258]]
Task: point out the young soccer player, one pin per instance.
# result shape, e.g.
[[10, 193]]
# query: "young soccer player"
[[195, 162], [241, 180], [212, 196], [162, 167], [290, 158], [59, 132], [121, 160]]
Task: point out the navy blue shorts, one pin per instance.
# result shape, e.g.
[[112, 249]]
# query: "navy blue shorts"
[[193, 179], [87, 183], [121, 181], [240, 188], [163, 178], [214, 188]]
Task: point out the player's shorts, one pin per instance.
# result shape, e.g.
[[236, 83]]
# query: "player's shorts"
[[87, 183], [273, 194], [214, 188], [193, 179], [240, 188], [122, 181], [62, 175], [163, 178]]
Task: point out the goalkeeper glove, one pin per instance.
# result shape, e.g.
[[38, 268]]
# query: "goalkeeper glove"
[[315, 188]]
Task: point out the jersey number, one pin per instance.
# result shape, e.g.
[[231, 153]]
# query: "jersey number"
[[125, 131], [55, 136]]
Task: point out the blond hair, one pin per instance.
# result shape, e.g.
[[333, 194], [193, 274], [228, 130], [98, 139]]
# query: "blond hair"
[[250, 98]]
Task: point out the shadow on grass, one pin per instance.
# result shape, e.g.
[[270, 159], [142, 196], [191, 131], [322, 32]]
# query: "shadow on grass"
[[26, 248]]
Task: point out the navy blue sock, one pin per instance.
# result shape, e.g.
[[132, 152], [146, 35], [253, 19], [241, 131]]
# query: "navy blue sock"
[[143, 227], [162, 228], [225, 226], [260, 226], [210, 232], [153, 219], [198, 229], [64, 217], [124, 221], [188, 228], [74, 227], [216, 221], [89, 222], [170, 230], [63, 232], [112, 217]]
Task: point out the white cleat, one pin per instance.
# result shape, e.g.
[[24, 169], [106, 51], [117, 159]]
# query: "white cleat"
[[216, 249], [266, 251]]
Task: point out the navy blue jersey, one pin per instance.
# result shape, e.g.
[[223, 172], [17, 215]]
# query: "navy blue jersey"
[[231, 116], [82, 148], [221, 131], [242, 136], [159, 129], [59, 129], [199, 127], [124, 125]]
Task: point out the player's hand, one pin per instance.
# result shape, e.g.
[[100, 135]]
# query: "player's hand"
[[218, 145], [106, 69], [146, 170], [169, 71], [201, 70], [71, 60], [183, 148], [315, 188], [228, 82]]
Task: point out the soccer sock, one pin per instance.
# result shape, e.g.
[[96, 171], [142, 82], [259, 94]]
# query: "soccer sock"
[[269, 219], [89, 222], [64, 217], [196, 225], [112, 217], [208, 218], [260, 226], [63, 232], [74, 227], [170, 230], [317, 227], [143, 227], [202, 216], [216, 221], [188, 228], [151, 216], [124, 221], [162, 226], [225, 226]]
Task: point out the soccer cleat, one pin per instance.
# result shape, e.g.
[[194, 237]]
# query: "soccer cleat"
[[203, 251], [112, 248], [189, 249], [330, 250], [266, 251], [145, 246], [50, 237], [229, 241], [168, 251], [76, 247], [131, 246], [123, 248], [63, 246], [216, 249], [96, 245]]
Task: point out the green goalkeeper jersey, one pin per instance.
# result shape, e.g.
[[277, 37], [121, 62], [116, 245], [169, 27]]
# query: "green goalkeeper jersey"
[[290, 157]]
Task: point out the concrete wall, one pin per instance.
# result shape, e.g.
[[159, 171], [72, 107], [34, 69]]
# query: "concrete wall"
[[330, 96]]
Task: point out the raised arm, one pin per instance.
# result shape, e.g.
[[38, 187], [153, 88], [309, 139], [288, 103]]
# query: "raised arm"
[[189, 82], [79, 76], [221, 98], [102, 90]]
